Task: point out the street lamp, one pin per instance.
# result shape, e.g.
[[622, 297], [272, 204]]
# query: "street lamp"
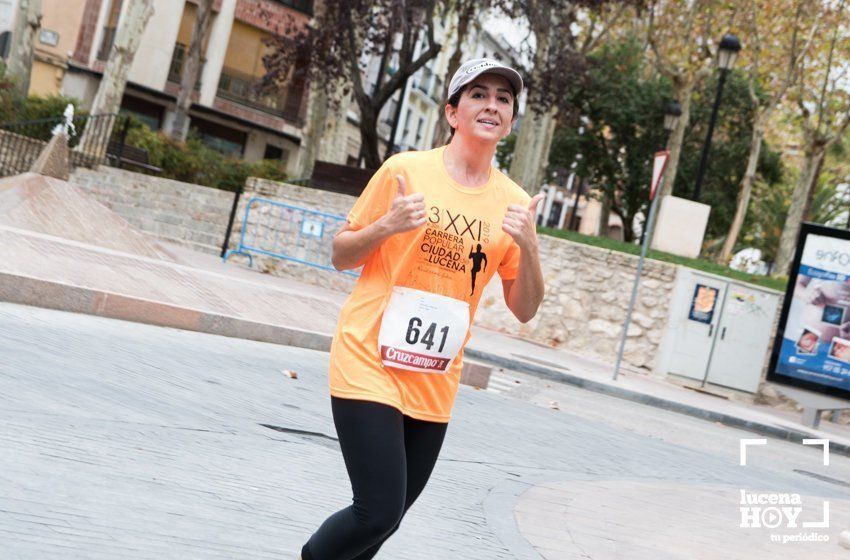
[[727, 52], [671, 118]]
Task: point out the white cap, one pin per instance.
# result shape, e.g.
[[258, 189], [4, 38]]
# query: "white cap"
[[471, 69]]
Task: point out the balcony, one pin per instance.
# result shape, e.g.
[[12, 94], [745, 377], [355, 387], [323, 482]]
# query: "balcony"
[[241, 88]]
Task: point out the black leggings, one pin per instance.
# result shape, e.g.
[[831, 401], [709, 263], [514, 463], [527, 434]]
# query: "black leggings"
[[389, 458]]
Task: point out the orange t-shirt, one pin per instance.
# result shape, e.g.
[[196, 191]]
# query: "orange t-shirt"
[[441, 257]]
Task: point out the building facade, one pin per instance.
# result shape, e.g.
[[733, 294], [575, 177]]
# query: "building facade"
[[76, 39], [227, 113]]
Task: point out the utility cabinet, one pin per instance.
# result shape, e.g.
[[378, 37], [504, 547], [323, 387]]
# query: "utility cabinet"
[[718, 331]]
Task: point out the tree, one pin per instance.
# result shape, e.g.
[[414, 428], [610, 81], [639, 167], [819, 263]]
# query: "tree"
[[340, 43], [564, 32], [323, 135], [771, 71], [729, 152], [19, 62], [823, 114], [191, 70], [110, 91], [771, 201], [623, 107], [683, 39]]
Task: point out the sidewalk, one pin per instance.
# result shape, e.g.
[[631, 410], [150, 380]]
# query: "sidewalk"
[[199, 292]]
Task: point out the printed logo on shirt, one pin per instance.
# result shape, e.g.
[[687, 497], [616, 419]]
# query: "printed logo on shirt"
[[444, 243]]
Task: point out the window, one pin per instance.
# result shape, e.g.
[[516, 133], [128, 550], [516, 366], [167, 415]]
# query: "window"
[[305, 6], [147, 112], [273, 152], [178, 58], [218, 137], [405, 135], [109, 30], [390, 114], [419, 128]]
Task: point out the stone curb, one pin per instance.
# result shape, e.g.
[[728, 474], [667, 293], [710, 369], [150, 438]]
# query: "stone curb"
[[788, 434], [35, 292]]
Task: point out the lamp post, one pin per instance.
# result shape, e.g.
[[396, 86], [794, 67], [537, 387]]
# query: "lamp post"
[[672, 113], [727, 52], [671, 119]]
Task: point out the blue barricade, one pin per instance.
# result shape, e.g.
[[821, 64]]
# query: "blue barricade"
[[288, 232]]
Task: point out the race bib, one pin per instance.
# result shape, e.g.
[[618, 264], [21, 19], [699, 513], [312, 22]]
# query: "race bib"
[[421, 331]]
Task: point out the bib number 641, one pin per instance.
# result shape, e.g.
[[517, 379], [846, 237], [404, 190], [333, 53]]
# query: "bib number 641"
[[414, 332]]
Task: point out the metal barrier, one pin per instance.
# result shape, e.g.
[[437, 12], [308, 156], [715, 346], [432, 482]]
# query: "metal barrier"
[[288, 232], [22, 142]]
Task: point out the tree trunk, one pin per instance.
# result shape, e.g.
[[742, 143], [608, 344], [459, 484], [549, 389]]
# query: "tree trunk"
[[441, 132], [807, 209], [628, 229], [114, 80], [311, 135], [604, 215], [19, 62], [791, 230], [683, 93], [530, 157], [323, 137], [369, 136], [191, 70], [531, 154], [333, 144], [744, 192]]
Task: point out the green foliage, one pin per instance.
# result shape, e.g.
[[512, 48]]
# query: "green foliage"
[[194, 162], [52, 106], [770, 202], [622, 106], [730, 148], [15, 108], [831, 200], [698, 264]]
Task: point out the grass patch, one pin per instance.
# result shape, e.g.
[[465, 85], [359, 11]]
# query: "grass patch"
[[698, 264]]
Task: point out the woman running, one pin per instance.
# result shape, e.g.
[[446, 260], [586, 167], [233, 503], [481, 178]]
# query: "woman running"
[[421, 229]]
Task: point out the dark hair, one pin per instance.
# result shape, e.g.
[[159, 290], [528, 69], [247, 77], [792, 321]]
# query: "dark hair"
[[454, 100]]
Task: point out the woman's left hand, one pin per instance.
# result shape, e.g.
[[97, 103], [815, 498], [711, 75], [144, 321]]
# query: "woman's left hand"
[[520, 223]]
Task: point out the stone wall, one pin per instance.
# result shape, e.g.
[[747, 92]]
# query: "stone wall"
[[587, 294], [182, 213]]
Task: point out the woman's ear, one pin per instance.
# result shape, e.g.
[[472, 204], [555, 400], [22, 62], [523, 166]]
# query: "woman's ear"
[[451, 115]]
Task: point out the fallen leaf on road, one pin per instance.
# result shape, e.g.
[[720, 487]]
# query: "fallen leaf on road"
[[554, 405], [291, 374]]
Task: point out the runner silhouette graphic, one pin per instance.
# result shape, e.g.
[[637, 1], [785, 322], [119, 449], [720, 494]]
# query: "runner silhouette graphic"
[[477, 256]]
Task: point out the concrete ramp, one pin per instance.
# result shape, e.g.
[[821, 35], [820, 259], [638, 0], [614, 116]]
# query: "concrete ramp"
[[57, 208]]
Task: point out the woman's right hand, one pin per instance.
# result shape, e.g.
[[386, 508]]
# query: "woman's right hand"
[[406, 213]]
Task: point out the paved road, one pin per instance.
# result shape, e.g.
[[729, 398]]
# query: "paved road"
[[121, 440]]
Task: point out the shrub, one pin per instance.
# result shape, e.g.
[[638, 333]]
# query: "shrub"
[[195, 162]]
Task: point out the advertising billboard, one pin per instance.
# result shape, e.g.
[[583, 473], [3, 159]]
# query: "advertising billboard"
[[812, 346]]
